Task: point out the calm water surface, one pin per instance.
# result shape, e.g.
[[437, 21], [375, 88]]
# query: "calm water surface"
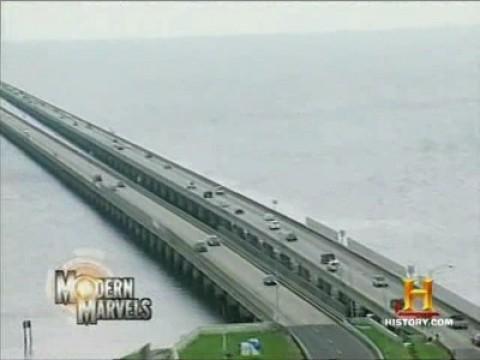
[[43, 225], [375, 133]]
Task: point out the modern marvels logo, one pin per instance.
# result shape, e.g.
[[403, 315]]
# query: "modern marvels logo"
[[100, 298]]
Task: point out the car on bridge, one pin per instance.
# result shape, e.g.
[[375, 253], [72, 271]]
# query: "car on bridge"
[[223, 204], [476, 339], [459, 322], [333, 265], [212, 240], [325, 258], [207, 194], [219, 190], [269, 217], [274, 225], [200, 247], [191, 185], [239, 211], [269, 280], [379, 281], [291, 236]]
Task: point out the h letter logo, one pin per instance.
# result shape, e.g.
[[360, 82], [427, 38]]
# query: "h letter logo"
[[410, 294]]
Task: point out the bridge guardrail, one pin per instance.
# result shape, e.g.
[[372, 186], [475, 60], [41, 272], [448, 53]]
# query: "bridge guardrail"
[[40, 113], [443, 295], [240, 293]]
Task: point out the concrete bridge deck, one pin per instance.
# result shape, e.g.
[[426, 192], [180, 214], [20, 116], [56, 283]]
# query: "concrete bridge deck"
[[241, 273], [352, 282], [155, 224]]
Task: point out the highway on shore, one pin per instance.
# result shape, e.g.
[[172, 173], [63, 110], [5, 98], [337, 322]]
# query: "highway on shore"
[[355, 271], [293, 310]]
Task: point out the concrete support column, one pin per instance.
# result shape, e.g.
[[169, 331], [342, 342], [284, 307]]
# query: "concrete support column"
[[198, 281], [187, 270], [177, 263], [160, 249], [152, 242], [245, 316], [232, 309], [168, 255]]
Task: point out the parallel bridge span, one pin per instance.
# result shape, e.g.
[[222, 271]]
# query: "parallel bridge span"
[[347, 293], [234, 284]]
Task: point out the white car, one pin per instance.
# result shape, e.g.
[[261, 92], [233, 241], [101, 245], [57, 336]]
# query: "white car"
[[223, 204], [476, 339], [219, 190], [379, 281], [274, 225], [268, 217], [333, 265], [191, 185]]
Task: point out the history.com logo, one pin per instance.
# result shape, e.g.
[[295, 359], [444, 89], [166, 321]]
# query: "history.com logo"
[[410, 315]]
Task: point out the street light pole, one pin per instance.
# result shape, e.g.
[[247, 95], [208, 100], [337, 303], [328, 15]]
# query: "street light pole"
[[430, 273], [277, 303], [275, 203], [27, 339], [435, 269]]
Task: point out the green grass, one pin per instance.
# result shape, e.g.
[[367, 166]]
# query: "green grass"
[[430, 351], [275, 346], [392, 350]]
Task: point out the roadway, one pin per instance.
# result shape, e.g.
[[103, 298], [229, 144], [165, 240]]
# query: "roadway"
[[355, 271], [293, 310], [325, 342]]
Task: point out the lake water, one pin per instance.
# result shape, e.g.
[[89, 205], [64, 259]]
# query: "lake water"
[[375, 133], [44, 225]]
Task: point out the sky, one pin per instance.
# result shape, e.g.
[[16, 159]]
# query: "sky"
[[47, 20]]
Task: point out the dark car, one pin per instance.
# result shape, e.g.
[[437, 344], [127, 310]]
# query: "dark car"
[[97, 178], [212, 240], [207, 194], [239, 211], [325, 258], [269, 280], [459, 322], [191, 185], [200, 247], [291, 237], [379, 281]]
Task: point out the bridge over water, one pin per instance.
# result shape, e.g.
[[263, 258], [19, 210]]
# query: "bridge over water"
[[160, 183]]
